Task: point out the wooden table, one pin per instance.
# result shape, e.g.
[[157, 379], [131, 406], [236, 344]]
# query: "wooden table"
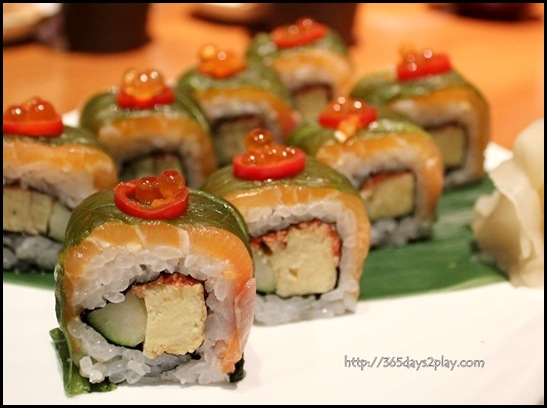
[[503, 59]]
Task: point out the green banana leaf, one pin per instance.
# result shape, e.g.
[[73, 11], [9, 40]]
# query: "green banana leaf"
[[74, 383], [446, 262], [36, 279]]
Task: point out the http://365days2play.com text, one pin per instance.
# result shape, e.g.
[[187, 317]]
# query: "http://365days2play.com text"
[[410, 363]]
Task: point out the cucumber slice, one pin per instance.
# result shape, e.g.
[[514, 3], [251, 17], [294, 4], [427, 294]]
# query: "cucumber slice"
[[58, 221], [121, 323], [311, 100], [264, 274]]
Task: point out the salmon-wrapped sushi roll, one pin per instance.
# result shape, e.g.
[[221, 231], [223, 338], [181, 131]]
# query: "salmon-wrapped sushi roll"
[[48, 168], [312, 60], [154, 282], [309, 230], [149, 128], [425, 87], [395, 165], [237, 95]]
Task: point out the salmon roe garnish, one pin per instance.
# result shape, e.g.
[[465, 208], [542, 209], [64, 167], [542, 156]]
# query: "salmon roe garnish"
[[35, 117], [412, 58], [32, 110], [258, 139], [304, 31], [262, 148], [143, 85], [156, 190], [347, 115], [416, 64], [147, 190], [348, 105], [219, 63], [170, 183]]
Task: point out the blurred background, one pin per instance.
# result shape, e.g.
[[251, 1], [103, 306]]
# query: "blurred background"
[[65, 52]]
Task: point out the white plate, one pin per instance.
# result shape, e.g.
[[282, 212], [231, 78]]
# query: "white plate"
[[305, 363], [21, 19], [500, 326]]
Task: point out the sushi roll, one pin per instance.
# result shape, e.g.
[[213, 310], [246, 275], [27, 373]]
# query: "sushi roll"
[[154, 283], [149, 128], [429, 91], [237, 95], [48, 168], [394, 164], [309, 230], [312, 60]]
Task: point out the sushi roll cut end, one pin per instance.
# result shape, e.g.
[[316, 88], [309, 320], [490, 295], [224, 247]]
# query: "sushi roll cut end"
[[309, 230], [48, 168], [156, 284]]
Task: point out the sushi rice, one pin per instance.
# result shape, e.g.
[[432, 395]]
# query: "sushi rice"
[[116, 270], [272, 309], [394, 231]]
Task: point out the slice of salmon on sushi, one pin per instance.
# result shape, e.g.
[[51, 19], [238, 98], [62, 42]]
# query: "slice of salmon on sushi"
[[309, 230], [150, 128], [394, 164], [312, 60], [427, 89], [48, 168], [238, 95], [154, 283]]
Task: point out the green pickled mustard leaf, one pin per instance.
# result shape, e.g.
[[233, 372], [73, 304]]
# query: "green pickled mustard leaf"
[[74, 383]]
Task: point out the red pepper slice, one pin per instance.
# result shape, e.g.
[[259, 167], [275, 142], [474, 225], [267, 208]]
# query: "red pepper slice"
[[143, 90], [343, 108], [266, 159], [164, 197], [416, 65], [304, 31], [34, 117], [290, 166]]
